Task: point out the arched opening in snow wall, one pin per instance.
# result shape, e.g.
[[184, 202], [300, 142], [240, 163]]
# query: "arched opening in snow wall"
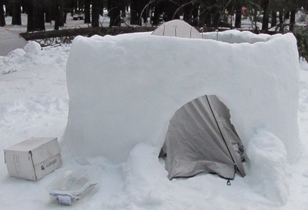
[[202, 139]]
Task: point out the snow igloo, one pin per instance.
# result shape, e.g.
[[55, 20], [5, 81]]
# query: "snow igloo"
[[123, 90]]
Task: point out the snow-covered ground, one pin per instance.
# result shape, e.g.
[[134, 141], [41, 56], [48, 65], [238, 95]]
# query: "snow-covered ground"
[[34, 102]]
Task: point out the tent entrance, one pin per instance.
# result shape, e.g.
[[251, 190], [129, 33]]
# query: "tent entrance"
[[201, 138]]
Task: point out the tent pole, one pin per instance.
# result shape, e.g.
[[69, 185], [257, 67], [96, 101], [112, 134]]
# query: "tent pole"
[[222, 136]]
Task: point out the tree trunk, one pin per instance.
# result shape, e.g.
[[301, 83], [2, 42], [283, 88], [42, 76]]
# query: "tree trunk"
[[208, 18], [280, 17], [16, 18], [23, 5], [64, 16], [292, 19], [134, 20], [87, 18], [61, 13], [137, 7], [238, 16], [145, 13], [35, 15], [8, 8], [48, 12], [56, 14], [29, 6], [72, 7], [114, 12], [264, 5], [95, 13], [186, 12], [274, 17], [77, 6], [216, 17], [194, 14], [157, 12], [202, 17], [2, 18], [169, 10], [48, 16], [287, 14], [38, 15]]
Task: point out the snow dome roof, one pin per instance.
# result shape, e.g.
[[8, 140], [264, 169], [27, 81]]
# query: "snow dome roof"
[[10, 41]]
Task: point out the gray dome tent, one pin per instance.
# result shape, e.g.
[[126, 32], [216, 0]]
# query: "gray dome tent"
[[200, 137]]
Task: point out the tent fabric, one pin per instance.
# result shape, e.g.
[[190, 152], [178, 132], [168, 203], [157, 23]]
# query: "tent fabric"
[[200, 140], [10, 41], [177, 28], [200, 137]]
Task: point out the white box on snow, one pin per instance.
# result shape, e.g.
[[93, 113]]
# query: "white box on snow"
[[33, 158]]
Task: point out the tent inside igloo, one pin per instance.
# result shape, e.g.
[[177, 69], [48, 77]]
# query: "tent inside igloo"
[[125, 89]]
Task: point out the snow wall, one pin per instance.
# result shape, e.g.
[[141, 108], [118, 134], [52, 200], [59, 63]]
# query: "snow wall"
[[124, 89]]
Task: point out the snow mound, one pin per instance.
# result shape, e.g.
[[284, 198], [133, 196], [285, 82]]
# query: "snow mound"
[[15, 54], [33, 54], [32, 48], [267, 158], [124, 89], [235, 36]]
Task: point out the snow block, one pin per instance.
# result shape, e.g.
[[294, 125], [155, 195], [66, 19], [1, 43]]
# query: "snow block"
[[124, 89], [33, 48], [267, 159]]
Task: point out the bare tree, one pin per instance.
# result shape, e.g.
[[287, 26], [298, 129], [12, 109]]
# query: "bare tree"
[[265, 6], [238, 13], [114, 12], [96, 5], [87, 18], [59, 13], [16, 10], [138, 10], [2, 18]]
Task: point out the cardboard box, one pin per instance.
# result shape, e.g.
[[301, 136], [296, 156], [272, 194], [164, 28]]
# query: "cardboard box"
[[33, 158]]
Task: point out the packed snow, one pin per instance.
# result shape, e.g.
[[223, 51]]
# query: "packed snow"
[[113, 93], [34, 101]]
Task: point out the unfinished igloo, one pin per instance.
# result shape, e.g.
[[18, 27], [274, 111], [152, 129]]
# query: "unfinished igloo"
[[123, 90]]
